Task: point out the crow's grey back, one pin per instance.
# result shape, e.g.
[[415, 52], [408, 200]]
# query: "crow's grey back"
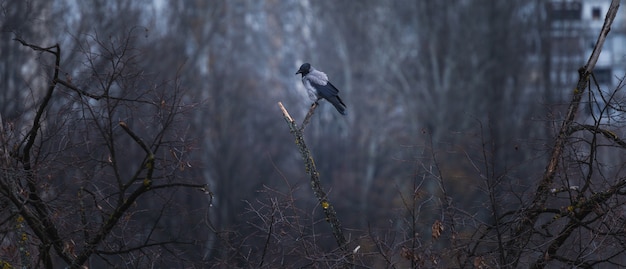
[[317, 77]]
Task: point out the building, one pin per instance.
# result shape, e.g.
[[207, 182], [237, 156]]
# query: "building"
[[574, 29]]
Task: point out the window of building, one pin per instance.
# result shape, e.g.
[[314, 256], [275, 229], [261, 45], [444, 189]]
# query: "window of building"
[[595, 13], [565, 11], [603, 75]]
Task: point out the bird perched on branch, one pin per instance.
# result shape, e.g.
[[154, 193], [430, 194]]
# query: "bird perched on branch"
[[318, 87]]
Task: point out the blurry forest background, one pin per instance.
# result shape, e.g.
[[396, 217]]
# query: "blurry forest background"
[[451, 118]]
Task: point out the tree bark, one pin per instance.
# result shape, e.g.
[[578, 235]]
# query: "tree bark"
[[311, 170]]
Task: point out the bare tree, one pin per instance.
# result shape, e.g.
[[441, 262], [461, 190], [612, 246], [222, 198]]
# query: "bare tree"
[[99, 169], [576, 206]]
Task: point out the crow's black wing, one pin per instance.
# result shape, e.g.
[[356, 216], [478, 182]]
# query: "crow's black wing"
[[326, 91], [330, 93]]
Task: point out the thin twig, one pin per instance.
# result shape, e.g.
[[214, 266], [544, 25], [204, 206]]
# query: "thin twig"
[[121, 209], [269, 236], [308, 115]]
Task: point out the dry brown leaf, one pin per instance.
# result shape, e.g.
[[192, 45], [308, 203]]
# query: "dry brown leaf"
[[437, 229]]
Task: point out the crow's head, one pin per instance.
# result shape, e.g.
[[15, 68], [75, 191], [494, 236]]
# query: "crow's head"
[[305, 68]]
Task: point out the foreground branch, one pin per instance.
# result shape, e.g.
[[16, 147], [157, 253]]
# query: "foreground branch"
[[316, 185], [583, 80], [529, 216]]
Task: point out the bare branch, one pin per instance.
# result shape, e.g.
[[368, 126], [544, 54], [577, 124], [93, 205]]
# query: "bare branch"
[[40, 219], [95, 96], [308, 115], [530, 215], [316, 185], [595, 129]]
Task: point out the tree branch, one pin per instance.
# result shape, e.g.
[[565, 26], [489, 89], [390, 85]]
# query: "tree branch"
[[122, 208], [584, 73], [95, 96], [308, 116], [530, 214], [606, 133], [40, 220], [316, 185]]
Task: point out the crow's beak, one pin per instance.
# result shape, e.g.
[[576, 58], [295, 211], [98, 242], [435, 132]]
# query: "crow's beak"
[[299, 72]]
